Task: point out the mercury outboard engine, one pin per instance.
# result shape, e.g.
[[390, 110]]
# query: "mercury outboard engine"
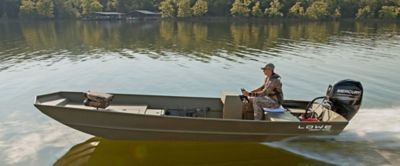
[[345, 97]]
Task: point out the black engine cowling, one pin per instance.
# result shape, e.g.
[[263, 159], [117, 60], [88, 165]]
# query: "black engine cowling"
[[346, 97]]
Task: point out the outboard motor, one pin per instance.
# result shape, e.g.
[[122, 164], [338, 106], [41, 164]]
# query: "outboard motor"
[[345, 97]]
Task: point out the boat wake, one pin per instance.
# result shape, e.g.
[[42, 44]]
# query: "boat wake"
[[371, 138]]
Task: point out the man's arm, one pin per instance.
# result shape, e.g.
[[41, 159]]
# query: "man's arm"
[[258, 89], [253, 92], [270, 88]]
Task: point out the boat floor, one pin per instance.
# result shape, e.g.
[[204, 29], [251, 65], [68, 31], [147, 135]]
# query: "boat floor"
[[143, 109], [133, 109]]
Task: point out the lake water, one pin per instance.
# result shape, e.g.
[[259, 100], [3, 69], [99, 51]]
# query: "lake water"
[[196, 59]]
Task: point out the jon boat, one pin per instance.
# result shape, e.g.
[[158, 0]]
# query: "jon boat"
[[150, 117]]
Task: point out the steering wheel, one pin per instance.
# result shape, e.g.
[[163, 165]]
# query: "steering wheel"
[[309, 113]]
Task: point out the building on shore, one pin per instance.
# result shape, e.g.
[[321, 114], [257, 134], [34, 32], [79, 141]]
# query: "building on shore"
[[136, 14], [107, 16], [143, 14]]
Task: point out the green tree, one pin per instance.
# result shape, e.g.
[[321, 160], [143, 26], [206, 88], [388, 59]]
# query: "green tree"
[[96, 6], [45, 8], [296, 10], [318, 10], [256, 11], [126, 5], [27, 8], [374, 6], [90, 6], [274, 9], [167, 8], [219, 7], [348, 8], [72, 8], [184, 8], [398, 11], [389, 12], [364, 12], [130, 5], [337, 13], [240, 8], [200, 8], [11, 8], [313, 9], [112, 5]]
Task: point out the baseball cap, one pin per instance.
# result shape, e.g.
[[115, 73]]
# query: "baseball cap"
[[269, 66]]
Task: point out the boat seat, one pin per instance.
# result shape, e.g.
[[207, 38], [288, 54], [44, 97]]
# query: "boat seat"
[[281, 117], [297, 110], [135, 109], [154, 112]]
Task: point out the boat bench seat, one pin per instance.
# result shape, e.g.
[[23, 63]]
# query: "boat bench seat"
[[136, 109], [297, 110], [154, 112], [281, 117]]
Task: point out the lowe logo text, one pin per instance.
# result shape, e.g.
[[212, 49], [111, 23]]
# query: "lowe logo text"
[[315, 127]]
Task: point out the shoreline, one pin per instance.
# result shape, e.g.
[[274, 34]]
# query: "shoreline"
[[211, 19]]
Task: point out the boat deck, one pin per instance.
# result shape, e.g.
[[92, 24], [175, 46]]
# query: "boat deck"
[[143, 109], [132, 109], [203, 111]]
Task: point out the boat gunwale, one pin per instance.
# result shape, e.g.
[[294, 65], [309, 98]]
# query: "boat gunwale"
[[145, 95], [191, 118]]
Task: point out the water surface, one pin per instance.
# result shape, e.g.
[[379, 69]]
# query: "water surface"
[[198, 59]]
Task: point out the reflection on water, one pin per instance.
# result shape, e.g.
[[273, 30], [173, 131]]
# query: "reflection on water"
[[98, 151], [194, 59], [25, 41], [328, 50]]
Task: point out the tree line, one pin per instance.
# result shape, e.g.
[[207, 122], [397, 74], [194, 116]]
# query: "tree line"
[[296, 9]]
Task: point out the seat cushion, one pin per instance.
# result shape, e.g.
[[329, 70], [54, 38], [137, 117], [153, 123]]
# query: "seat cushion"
[[280, 109], [281, 116]]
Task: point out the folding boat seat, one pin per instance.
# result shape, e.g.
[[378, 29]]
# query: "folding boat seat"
[[279, 114]]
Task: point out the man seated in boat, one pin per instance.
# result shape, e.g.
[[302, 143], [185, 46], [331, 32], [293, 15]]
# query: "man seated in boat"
[[269, 95]]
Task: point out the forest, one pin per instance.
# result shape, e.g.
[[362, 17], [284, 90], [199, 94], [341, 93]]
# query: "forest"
[[275, 9]]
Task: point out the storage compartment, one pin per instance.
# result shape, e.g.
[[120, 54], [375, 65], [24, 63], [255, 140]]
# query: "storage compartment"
[[232, 106], [248, 111]]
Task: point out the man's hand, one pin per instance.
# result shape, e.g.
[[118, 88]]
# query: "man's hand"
[[245, 93]]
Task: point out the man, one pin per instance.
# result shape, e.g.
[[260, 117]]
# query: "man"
[[269, 95]]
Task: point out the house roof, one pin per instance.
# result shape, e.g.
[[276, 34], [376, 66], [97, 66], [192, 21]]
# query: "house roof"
[[109, 13], [147, 12]]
